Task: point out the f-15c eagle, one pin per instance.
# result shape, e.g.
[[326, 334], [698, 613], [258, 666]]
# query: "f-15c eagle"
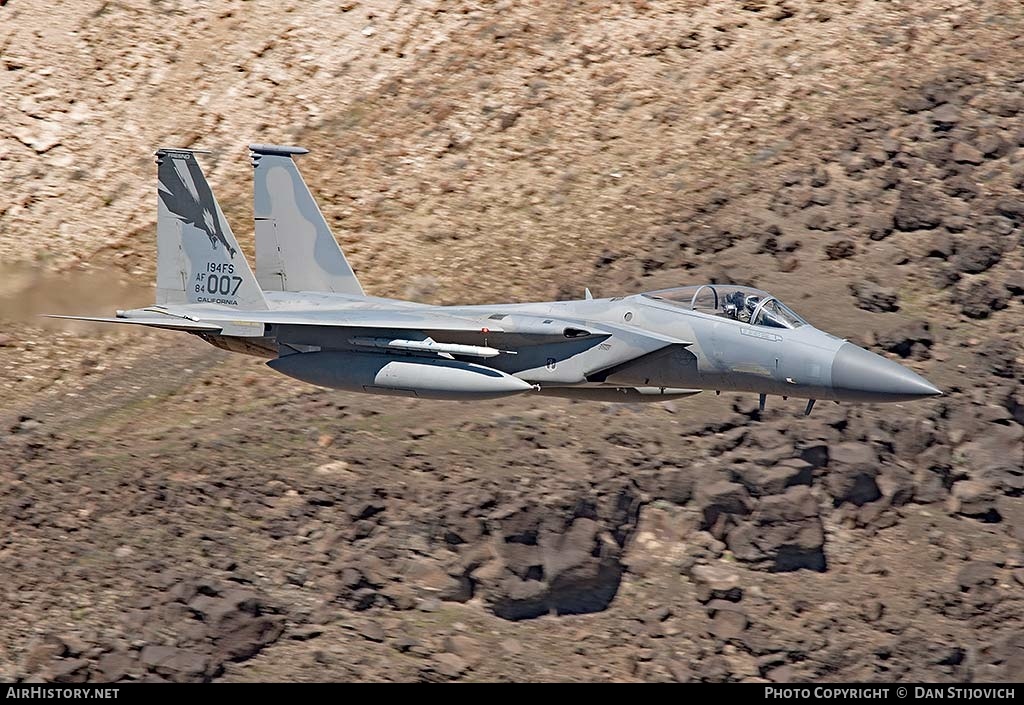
[[305, 310]]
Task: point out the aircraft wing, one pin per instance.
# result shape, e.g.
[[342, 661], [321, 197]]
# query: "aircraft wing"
[[214, 320], [534, 327], [348, 318]]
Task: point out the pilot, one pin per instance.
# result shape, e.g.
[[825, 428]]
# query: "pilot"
[[733, 305], [749, 305]]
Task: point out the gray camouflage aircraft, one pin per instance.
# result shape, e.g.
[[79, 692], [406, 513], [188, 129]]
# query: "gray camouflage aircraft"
[[305, 310]]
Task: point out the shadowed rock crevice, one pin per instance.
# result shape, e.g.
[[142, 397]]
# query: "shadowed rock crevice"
[[560, 560]]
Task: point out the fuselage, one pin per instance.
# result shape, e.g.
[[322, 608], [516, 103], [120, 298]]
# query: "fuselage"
[[693, 350]]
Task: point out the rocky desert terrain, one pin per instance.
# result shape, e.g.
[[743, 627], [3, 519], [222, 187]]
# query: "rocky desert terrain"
[[169, 511]]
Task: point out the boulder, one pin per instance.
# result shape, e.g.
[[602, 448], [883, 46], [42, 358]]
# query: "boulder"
[[909, 339], [716, 582], [979, 298], [69, 670], [874, 297], [976, 255], [238, 622], [760, 481], [975, 499], [996, 458], [177, 665], [784, 533], [851, 474], [917, 210], [563, 558], [114, 666], [718, 501]]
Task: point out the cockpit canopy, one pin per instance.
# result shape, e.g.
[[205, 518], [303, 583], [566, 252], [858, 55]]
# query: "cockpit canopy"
[[739, 303]]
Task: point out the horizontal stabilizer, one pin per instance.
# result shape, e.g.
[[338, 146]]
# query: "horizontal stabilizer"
[[155, 322], [278, 149]]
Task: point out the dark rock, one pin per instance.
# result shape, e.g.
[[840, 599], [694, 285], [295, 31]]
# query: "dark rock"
[[976, 256], [997, 358], [976, 574], [305, 633], [979, 299], [817, 454], [451, 666], [467, 648], [897, 485], [917, 209], [41, 651], [963, 153], [840, 249], [719, 500], [716, 582], [1014, 283], [405, 644], [681, 672], [177, 665], [553, 563], [677, 484], [933, 478], [851, 474], [974, 499], [507, 119], [783, 534], [242, 636], [729, 624], [878, 226], [996, 458], [1012, 208], [69, 670], [114, 666], [911, 339], [960, 187], [874, 297], [760, 481], [372, 631], [946, 115], [940, 245]]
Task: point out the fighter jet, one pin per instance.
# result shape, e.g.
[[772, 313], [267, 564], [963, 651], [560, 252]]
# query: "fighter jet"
[[305, 310]]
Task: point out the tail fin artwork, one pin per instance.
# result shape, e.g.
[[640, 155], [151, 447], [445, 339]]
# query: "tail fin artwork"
[[198, 259], [295, 250]]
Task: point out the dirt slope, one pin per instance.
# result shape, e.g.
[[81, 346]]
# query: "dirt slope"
[[172, 512]]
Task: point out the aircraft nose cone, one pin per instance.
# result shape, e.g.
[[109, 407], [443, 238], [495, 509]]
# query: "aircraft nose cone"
[[859, 375]]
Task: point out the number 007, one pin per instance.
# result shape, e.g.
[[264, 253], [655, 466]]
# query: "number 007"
[[222, 285]]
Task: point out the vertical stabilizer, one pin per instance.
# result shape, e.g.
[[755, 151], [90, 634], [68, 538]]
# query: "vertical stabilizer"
[[198, 259], [295, 250]]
